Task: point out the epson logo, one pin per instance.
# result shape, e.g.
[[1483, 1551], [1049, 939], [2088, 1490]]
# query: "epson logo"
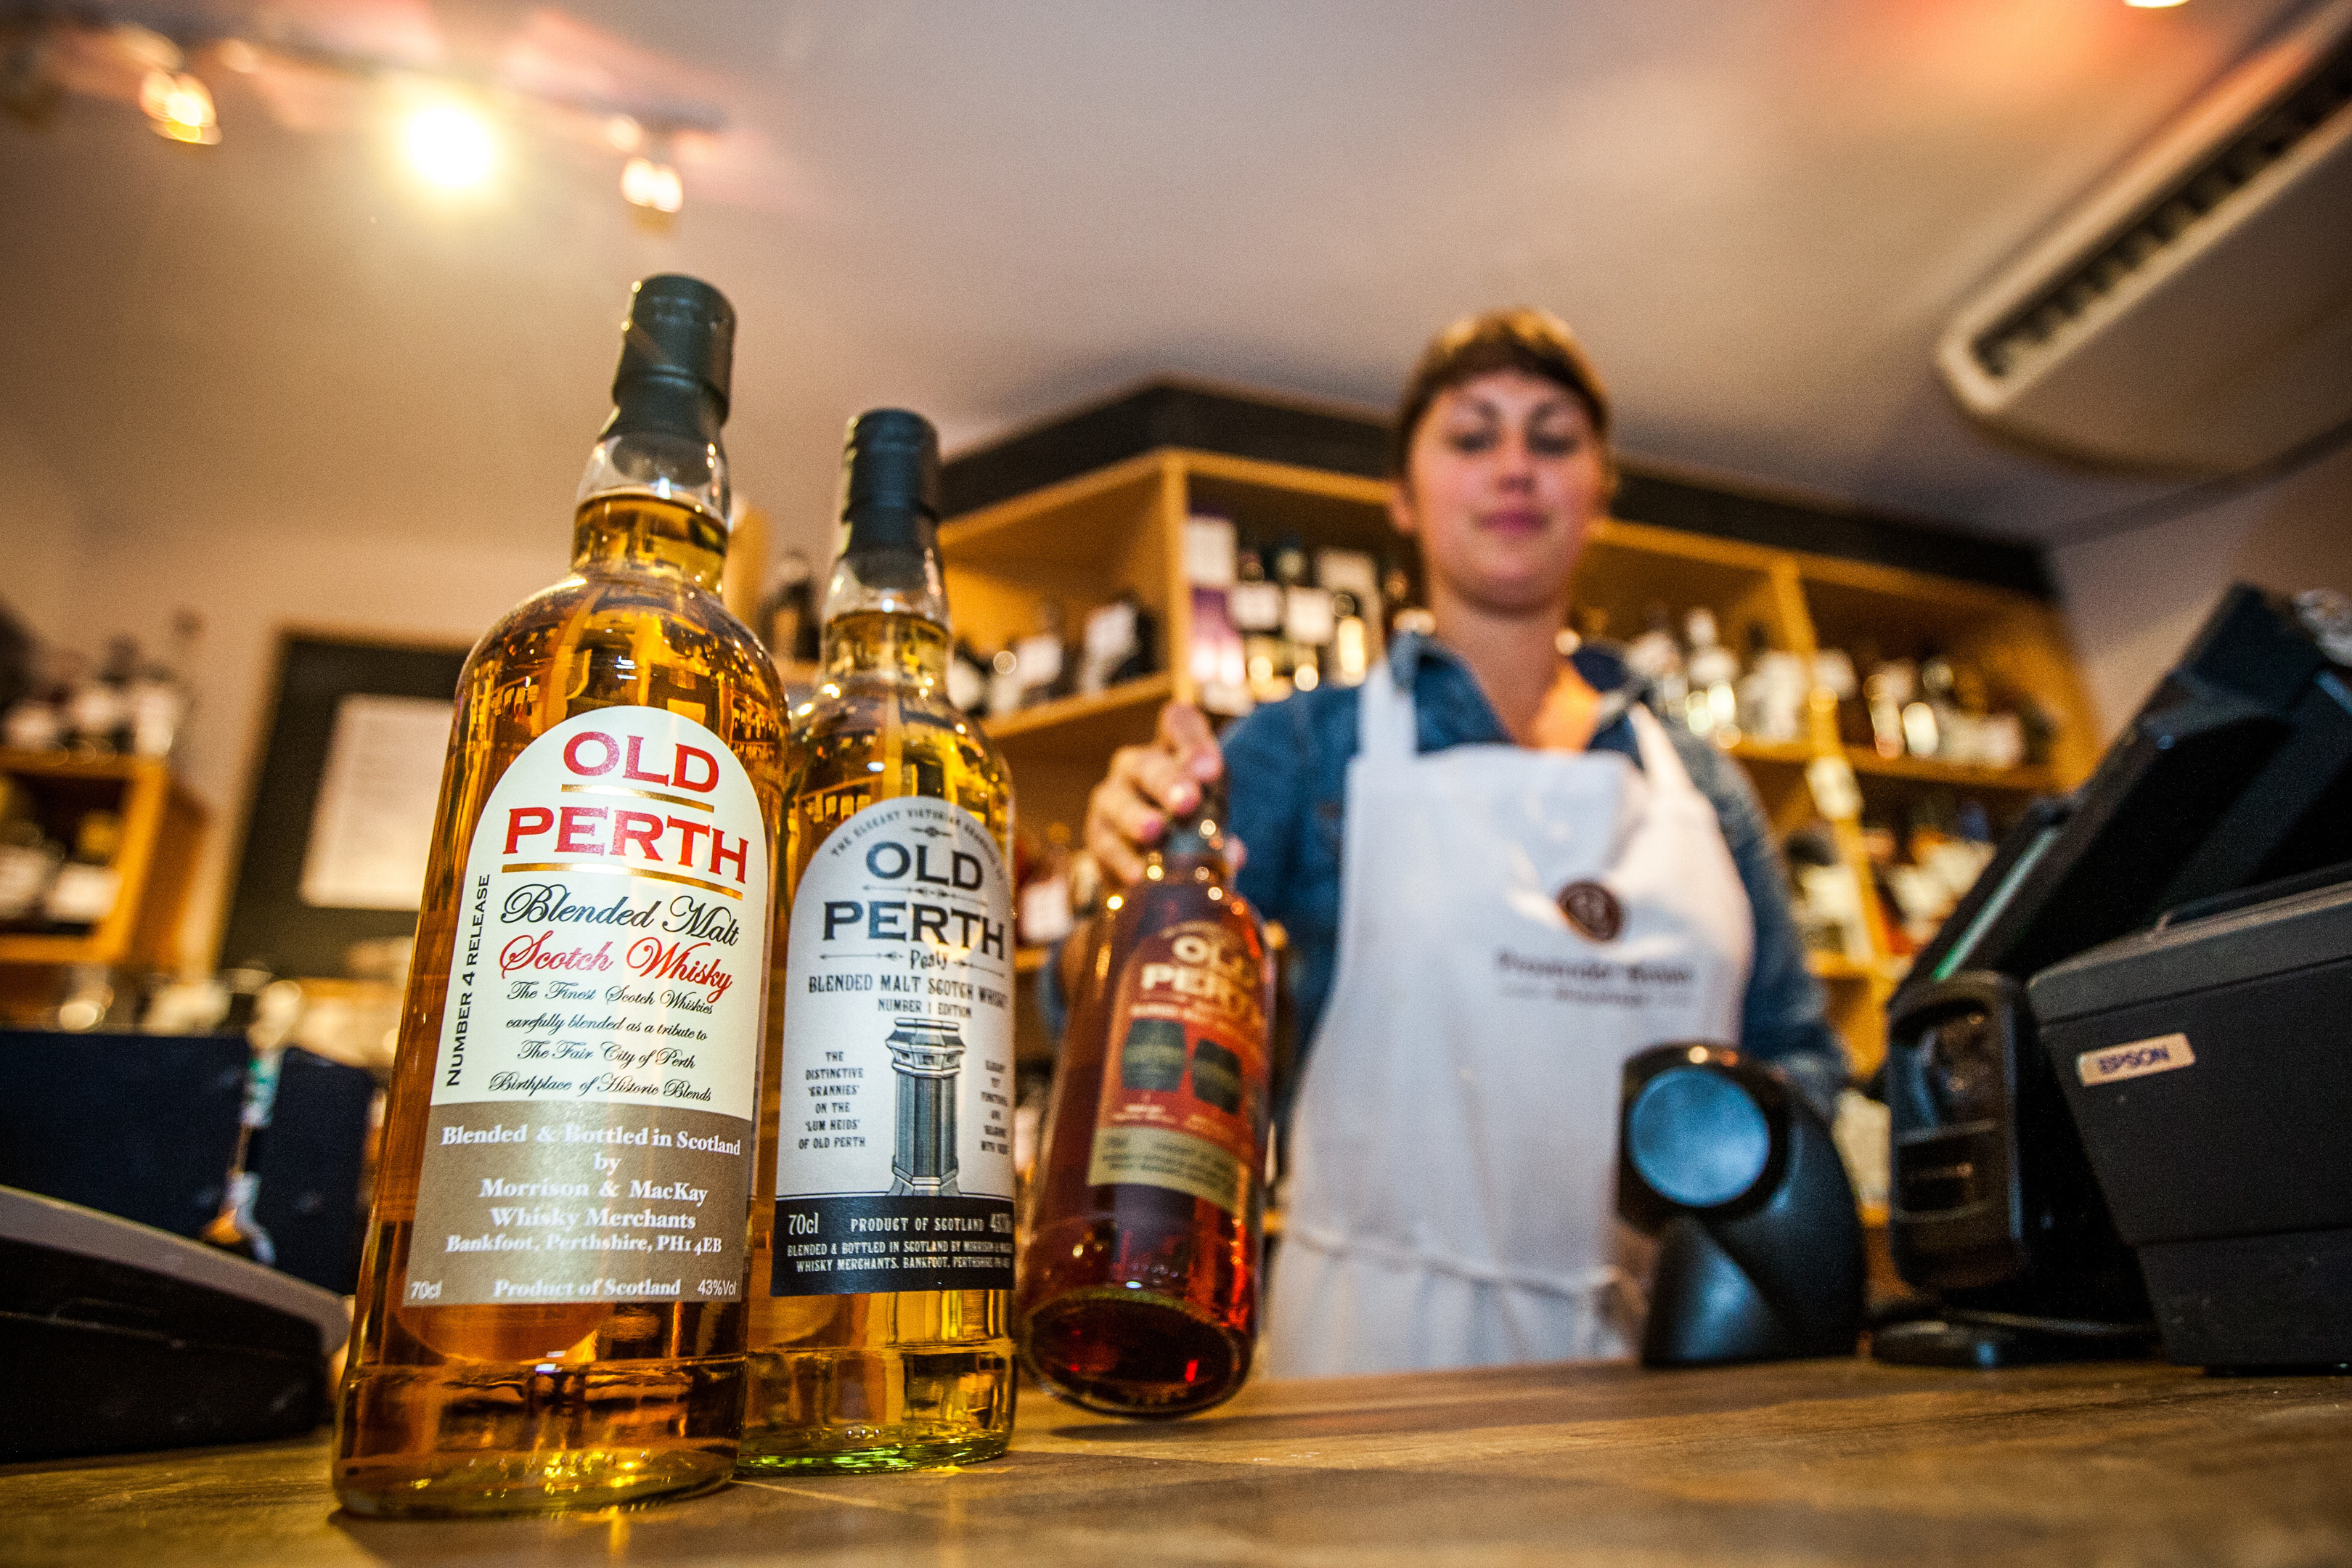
[[2140, 1058]]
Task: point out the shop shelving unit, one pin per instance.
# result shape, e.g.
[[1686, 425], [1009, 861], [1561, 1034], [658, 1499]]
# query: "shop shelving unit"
[[162, 828], [1085, 540]]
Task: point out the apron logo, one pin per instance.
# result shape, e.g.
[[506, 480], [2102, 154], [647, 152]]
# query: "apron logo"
[[1593, 910]]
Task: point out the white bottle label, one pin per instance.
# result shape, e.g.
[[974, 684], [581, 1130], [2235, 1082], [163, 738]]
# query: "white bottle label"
[[894, 1153], [589, 1137]]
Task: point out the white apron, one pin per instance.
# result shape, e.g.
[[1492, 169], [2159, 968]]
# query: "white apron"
[[1452, 1195]]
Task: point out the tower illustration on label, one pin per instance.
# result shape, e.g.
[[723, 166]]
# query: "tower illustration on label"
[[926, 1057]]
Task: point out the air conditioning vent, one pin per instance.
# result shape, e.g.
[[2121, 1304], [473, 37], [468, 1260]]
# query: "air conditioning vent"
[[2197, 313], [2198, 195]]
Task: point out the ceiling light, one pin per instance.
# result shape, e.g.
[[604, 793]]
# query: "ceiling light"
[[179, 107], [450, 145], [653, 185], [2152, 4]]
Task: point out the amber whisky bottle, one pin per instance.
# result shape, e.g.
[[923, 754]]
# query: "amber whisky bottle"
[[551, 1311], [882, 1271], [1141, 1249]]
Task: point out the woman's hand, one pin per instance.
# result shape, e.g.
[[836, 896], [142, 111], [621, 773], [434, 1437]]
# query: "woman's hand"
[[1148, 786]]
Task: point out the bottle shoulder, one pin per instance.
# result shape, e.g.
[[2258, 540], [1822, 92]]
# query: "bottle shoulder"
[[851, 709], [611, 609], [1149, 907]]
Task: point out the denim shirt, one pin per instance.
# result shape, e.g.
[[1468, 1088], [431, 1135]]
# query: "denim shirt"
[[1288, 766]]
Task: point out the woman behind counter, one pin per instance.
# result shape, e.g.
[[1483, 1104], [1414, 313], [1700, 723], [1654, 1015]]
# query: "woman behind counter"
[[1502, 876]]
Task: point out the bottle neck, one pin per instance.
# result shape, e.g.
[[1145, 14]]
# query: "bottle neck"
[[886, 608], [905, 650], [654, 497], [1194, 846]]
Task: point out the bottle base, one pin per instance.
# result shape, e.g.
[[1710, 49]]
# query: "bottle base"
[[910, 1453], [905, 1408], [474, 1439], [456, 1486], [1133, 1353]]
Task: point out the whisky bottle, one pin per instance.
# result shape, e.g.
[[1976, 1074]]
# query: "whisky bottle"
[[1140, 1250], [882, 1276], [551, 1311]]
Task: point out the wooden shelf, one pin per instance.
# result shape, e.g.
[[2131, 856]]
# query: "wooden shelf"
[[1784, 754], [1959, 775], [1080, 543], [162, 828], [1837, 967], [1072, 717]]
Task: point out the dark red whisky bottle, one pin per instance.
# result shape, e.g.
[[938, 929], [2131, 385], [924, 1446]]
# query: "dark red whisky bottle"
[[1139, 1278]]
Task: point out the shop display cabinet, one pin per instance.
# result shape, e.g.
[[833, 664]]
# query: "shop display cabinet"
[[1083, 539], [163, 828]]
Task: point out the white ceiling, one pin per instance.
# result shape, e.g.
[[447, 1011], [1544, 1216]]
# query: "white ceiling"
[[1757, 213]]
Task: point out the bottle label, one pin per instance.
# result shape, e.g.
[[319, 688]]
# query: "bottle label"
[[590, 1136], [894, 1151], [1183, 1101]]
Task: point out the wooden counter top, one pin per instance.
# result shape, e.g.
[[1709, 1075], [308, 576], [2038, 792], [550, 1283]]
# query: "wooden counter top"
[[1816, 1462]]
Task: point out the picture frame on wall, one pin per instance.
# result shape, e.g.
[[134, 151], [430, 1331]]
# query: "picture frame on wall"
[[341, 814]]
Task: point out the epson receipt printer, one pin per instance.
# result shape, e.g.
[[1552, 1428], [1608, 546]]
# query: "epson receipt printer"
[[2208, 1066]]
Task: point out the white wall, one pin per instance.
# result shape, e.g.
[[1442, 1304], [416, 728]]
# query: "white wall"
[[2134, 599], [44, 541], [248, 578]]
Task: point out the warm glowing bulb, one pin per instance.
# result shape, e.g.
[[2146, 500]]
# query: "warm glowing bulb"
[[2152, 4], [179, 108], [647, 184], [451, 145]]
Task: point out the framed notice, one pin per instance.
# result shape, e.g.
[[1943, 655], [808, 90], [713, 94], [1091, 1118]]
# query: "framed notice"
[[341, 817]]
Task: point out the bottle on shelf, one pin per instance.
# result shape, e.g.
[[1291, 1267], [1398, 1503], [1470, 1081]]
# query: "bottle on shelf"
[[1773, 692], [579, 1051], [1118, 644], [87, 1000], [1310, 623], [1220, 668], [1836, 684], [1828, 906], [34, 723], [1256, 605], [790, 617], [1141, 1241], [882, 1274], [1256, 601], [1712, 703], [1882, 847], [29, 859], [89, 883], [1399, 611], [1892, 686], [1005, 688], [1042, 662], [1657, 658], [968, 677], [1042, 896], [1352, 578], [158, 695], [1351, 645], [98, 703]]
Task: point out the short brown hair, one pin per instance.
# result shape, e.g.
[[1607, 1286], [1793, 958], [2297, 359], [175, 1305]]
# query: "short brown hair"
[[1522, 339]]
